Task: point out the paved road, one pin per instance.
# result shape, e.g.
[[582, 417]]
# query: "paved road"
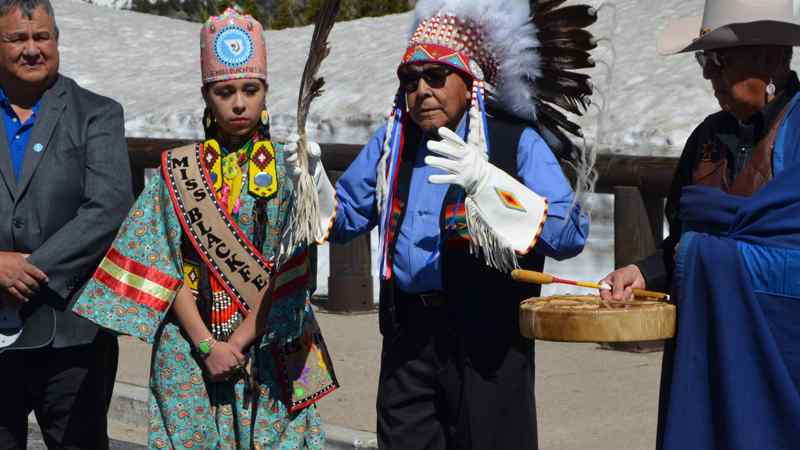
[[587, 398], [36, 442]]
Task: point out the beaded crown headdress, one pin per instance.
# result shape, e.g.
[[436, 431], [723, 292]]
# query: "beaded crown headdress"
[[232, 47]]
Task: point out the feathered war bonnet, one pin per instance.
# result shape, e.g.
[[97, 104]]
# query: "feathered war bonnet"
[[520, 55]]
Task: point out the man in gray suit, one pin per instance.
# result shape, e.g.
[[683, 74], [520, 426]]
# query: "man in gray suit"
[[65, 188]]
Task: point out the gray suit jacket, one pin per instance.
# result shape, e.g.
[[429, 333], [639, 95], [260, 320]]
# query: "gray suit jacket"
[[68, 204]]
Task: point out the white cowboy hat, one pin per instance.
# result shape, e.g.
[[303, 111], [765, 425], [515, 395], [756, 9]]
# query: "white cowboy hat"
[[734, 23]]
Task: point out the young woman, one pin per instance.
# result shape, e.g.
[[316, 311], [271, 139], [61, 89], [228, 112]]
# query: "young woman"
[[198, 270]]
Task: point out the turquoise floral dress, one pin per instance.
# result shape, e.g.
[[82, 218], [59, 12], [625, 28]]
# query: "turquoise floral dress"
[[131, 292]]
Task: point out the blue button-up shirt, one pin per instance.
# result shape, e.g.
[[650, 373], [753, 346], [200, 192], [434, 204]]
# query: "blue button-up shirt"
[[17, 133], [417, 263]]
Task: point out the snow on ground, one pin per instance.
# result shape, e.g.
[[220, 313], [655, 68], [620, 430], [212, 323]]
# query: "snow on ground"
[[116, 4], [646, 104]]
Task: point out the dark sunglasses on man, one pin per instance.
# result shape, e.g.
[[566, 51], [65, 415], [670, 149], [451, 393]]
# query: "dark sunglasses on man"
[[434, 76], [706, 57]]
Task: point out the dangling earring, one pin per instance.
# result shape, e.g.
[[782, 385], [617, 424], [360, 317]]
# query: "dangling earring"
[[406, 103], [264, 128], [208, 119], [771, 88]]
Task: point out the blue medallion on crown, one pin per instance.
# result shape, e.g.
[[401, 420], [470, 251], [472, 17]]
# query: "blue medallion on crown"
[[233, 46]]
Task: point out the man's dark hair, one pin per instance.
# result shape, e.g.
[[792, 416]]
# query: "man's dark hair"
[[27, 7]]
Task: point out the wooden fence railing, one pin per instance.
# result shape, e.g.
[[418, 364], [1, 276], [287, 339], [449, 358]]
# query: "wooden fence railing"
[[639, 185]]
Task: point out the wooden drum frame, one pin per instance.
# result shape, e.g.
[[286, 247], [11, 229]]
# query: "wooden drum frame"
[[585, 318]]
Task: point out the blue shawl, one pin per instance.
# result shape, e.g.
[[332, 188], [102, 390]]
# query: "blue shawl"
[[731, 377]]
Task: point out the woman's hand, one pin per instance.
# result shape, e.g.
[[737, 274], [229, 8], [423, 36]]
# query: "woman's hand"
[[224, 358], [223, 361], [239, 341]]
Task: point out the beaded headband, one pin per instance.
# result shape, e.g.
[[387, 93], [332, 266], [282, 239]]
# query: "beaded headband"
[[450, 40]]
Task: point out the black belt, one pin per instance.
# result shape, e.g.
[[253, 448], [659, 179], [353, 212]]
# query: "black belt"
[[431, 299]]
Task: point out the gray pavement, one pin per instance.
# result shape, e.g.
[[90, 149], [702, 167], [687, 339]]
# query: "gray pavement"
[[127, 438], [588, 398]]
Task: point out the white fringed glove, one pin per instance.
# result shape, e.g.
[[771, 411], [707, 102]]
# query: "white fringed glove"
[[293, 164], [503, 215], [465, 163]]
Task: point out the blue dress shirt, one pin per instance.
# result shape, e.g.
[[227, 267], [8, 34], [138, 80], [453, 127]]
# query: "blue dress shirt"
[[17, 133], [417, 263]]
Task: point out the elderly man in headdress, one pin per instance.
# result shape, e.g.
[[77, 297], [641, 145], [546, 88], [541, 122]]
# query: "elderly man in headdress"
[[462, 183], [731, 377]]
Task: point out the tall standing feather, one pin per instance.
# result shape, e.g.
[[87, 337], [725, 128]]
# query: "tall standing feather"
[[304, 225], [311, 85]]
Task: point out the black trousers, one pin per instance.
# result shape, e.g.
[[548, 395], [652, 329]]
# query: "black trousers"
[[69, 389], [433, 395]]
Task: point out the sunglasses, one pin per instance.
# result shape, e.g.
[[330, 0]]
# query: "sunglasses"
[[435, 77], [704, 58]]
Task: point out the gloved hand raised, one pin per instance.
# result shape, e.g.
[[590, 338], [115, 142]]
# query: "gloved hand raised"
[[504, 216], [465, 163]]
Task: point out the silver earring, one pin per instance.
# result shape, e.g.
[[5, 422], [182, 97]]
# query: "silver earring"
[[771, 88]]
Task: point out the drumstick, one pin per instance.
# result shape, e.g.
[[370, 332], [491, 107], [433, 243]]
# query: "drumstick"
[[529, 276]]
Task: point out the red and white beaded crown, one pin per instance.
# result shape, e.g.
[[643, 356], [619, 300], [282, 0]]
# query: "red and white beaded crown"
[[232, 46], [451, 40]]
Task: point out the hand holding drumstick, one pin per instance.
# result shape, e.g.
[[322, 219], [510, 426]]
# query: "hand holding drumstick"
[[529, 276], [622, 284]]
